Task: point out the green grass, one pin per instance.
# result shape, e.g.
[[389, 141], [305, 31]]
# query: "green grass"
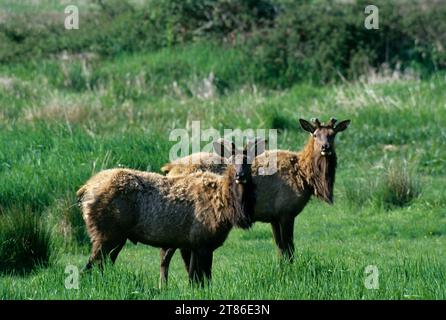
[[25, 242], [333, 250], [50, 6], [41, 6], [54, 135]]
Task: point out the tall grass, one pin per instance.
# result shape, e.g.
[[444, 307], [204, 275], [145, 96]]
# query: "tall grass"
[[66, 223], [25, 242], [359, 191], [399, 186]]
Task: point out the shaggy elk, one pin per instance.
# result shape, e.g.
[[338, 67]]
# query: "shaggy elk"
[[193, 212], [280, 197]]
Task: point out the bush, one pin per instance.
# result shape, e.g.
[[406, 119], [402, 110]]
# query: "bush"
[[282, 42], [186, 20], [30, 36], [24, 242], [323, 42], [118, 26], [399, 186]]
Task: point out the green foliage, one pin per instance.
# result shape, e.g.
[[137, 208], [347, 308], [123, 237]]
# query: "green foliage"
[[399, 185], [323, 42], [27, 36], [282, 42], [76, 77], [359, 191], [224, 19], [25, 243]]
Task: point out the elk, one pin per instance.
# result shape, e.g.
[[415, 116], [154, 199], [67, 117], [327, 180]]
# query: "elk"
[[280, 197], [193, 212]]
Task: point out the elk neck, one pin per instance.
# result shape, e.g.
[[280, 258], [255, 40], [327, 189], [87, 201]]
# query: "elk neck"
[[318, 171]]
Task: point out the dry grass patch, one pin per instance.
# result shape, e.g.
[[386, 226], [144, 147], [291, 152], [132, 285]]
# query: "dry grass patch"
[[56, 111], [65, 108]]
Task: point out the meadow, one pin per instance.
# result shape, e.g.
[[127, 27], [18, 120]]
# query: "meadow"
[[65, 117]]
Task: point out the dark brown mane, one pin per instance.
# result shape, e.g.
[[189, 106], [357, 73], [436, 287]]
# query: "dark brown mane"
[[319, 171], [240, 217], [248, 202]]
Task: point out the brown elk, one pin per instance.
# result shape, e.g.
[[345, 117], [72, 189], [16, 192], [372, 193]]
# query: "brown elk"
[[280, 197], [193, 212]]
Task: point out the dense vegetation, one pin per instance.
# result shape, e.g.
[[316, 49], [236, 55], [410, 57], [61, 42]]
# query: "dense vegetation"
[[280, 42]]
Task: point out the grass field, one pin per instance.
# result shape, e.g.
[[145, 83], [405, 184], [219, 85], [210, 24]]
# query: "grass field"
[[63, 119]]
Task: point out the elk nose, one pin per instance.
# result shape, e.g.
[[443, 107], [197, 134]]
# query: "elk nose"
[[240, 177], [325, 147]]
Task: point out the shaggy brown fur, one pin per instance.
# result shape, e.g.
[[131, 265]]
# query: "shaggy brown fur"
[[296, 171], [197, 162], [318, 171], [282, 196], [193, 212], [315, 170]]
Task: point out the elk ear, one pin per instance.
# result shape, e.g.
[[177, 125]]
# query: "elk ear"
[[224, 148], [342, 126], [307, 126]]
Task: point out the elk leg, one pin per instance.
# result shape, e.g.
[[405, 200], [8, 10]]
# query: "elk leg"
[[277, 234], [113, 249], [287, 235], [102, 249], [193, 270], [93, 256], [166, 256], [283, 233], [207, 257], [186, 255], [200, 266]]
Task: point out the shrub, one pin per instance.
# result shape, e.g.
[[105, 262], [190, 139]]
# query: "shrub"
[[24, 242], [101, 31], [326, 41], [186, 20], [399, 185], [283, 42]]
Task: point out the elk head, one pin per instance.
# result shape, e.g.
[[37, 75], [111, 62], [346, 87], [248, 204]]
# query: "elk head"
[[242, 159], [324, 133]]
